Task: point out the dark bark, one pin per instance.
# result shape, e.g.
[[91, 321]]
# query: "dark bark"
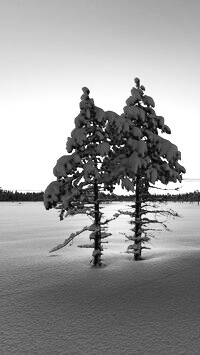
[[97, 240], [138, 223]]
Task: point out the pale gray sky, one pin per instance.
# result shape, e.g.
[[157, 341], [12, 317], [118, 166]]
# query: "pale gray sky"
[[50, 49]]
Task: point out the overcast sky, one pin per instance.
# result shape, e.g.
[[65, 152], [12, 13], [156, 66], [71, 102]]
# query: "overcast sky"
[[50, 49]]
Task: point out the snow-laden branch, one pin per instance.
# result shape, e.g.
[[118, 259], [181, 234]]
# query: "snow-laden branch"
[[93, 228], [134, 248], [147, 221], [138, 239], [68, 240], [89, 245], [168, 213], [116, 215], [103, 235]]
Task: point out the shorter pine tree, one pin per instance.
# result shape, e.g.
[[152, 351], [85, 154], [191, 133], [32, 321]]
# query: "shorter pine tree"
[[83, 173]]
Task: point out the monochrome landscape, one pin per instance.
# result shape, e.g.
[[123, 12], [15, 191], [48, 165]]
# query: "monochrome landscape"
[[99, 126]]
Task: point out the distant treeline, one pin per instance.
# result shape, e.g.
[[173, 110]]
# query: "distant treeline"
[[6, 195], [187, 197]]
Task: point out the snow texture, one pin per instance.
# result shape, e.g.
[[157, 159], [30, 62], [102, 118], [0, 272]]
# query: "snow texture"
[[62, 305]]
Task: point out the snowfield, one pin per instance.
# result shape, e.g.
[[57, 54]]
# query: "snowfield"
[[58, 304]]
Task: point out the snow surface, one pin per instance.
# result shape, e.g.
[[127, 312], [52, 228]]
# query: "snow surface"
[[58, 304]]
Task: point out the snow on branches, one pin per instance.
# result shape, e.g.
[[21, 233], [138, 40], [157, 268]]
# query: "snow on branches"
[[149, 154], [143, 225], [85, 170], [105, 149], [143, 156], [52, 194]]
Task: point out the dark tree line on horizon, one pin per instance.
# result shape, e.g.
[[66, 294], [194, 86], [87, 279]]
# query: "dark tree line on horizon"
[[7, 195]]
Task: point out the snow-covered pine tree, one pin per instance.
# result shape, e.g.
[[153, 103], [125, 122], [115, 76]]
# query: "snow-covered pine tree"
[[144, 157], [83, 173]]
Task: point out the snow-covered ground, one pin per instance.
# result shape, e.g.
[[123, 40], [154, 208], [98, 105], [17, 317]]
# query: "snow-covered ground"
[[58, 304]]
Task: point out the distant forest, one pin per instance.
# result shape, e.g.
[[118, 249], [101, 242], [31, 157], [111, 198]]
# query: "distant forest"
[[6, 195]]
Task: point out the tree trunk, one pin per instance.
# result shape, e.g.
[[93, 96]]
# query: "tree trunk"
[[138, 223], [97, 240]]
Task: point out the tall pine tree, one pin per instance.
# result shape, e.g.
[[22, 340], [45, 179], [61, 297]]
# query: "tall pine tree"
[[144, 157]]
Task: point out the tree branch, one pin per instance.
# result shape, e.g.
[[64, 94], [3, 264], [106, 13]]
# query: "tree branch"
[[68, 240]]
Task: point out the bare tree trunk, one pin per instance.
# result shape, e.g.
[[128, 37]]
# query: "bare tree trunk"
[[97, 240], [138, 222]]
